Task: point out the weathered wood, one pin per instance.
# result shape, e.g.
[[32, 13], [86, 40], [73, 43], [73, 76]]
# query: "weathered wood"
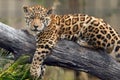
[[16, 41], [66, 54]]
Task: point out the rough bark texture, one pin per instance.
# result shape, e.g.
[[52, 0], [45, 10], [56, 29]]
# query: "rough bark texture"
[[66, 54]]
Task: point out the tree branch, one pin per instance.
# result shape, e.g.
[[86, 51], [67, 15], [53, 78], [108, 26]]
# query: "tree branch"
[[66, 54]]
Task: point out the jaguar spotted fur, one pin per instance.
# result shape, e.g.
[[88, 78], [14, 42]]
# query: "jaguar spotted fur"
[[85, 30]]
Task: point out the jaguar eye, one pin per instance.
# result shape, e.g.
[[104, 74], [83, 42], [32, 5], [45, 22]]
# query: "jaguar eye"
[[41, 18], [31, 17]]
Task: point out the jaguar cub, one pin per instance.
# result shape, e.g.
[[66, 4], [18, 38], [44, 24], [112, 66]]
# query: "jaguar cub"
[[85, 30]]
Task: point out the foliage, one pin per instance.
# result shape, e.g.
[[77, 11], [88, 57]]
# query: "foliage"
[[17, 70]]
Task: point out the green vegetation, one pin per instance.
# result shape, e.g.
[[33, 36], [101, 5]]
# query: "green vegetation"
[[19, 69], [11, 70]]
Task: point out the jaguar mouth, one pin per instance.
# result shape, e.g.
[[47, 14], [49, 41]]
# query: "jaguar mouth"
[[34, 29]]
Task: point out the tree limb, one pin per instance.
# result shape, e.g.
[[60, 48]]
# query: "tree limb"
[[66, 54]]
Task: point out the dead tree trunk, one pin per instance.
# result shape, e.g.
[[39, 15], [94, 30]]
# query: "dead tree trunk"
[[66, 54]]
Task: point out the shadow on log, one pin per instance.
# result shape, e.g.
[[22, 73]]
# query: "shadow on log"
[[66, 54]]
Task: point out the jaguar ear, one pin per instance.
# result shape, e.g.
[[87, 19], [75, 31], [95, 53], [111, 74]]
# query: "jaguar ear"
[[25, 8], [50, 11]]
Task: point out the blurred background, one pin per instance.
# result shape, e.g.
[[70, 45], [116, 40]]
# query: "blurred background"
[[11, 13]]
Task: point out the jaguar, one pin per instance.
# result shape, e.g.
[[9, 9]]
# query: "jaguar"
[[48, 28]]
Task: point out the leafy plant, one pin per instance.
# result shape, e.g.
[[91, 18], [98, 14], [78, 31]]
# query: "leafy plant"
[[17, 70]]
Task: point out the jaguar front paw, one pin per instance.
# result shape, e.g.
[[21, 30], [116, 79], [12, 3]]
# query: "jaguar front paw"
[[35, 72]]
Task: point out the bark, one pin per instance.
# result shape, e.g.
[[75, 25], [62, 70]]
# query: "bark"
[[66, 54]]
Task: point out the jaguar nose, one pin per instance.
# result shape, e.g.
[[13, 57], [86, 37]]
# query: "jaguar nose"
[[35, 26]]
